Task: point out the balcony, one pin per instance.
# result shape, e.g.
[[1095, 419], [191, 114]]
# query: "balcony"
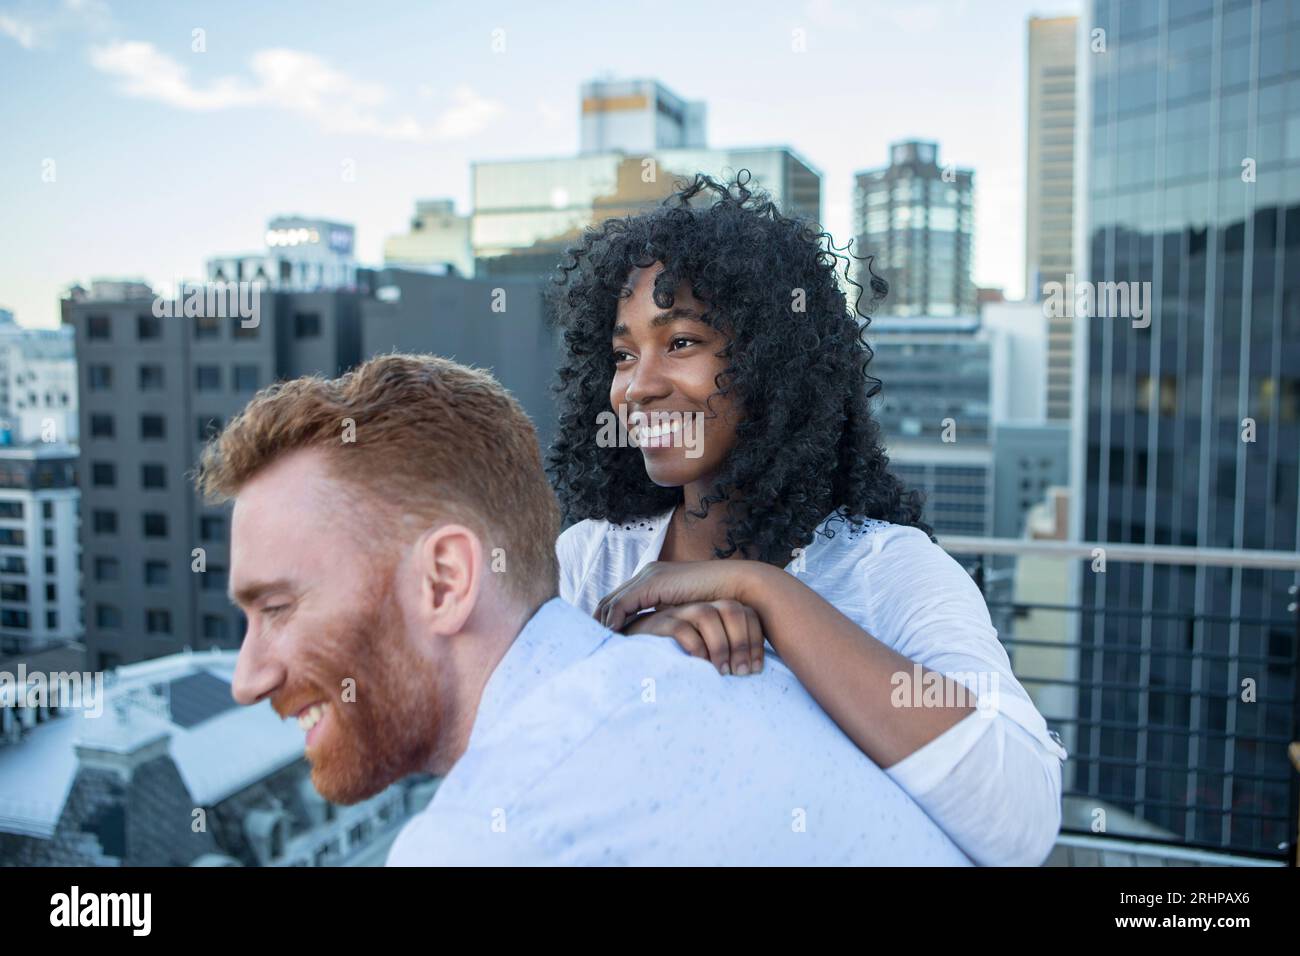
[[1180, 722]]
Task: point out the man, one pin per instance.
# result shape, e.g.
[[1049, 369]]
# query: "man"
[[393, 550]]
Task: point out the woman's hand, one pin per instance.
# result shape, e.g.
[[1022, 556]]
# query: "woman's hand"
[[661, 584], [727, 633]]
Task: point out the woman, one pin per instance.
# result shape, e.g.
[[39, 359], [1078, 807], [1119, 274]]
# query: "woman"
[[751, 501]]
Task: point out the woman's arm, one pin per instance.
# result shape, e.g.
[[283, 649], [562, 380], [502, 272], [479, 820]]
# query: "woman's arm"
[[989, 775], [854, 677]]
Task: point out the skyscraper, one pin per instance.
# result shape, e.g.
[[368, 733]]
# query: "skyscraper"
[[638, 116], [1049, 186], [1189, 423], [917, 218], [638, 140]]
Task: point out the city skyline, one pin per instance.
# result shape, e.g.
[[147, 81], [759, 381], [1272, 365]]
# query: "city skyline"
[[352, 123]]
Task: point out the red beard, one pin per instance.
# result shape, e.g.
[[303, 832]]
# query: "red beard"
[[380, 722]]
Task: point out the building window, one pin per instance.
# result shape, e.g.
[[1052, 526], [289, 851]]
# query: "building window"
[[104, 522], [153, 427], [148, 327], [246, 378], [51, 592], [103, 474], [49, 564], [99, 378], [241, 331], [107, 569], [155, 524], [11, 509], [156, 574], [157, 621], [151, 377], [215, 628], [212, 528], [13, 564], [207, 327], [306, 325], [207, 378], [14, 537], [48, 535], [108, 616], [15, 619], [209, 425], [153, 476], [98, 328], [215, 578], [10, 591], [51, 620], [101, 426]]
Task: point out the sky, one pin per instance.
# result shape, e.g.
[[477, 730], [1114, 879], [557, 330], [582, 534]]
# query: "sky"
[[141, 138]]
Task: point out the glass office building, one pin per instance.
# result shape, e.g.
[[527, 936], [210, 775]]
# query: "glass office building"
[[1190, 425], [526, 212], [917, 218]]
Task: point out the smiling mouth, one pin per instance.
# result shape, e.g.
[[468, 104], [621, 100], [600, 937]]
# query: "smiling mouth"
[[662, 435], [310, 716]]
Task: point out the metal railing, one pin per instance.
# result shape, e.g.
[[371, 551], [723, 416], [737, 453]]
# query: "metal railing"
[[1177, 718]]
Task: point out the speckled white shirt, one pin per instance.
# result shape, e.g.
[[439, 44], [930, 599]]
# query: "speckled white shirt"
[[590, 747], [993, 780]]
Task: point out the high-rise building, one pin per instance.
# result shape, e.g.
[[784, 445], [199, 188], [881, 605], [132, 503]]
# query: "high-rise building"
[[38, 384], [301, 255], [916, 217], [938, 437], [526, 212], [153, 390], [1049, 187], [1188, 414], [40, 576], [638, 116], [438, 241], [638, 142]]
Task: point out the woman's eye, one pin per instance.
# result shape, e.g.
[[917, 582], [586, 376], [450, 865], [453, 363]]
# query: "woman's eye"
[[684, 342], [620, 356]]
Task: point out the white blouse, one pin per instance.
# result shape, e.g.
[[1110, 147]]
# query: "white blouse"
[[993, 780]]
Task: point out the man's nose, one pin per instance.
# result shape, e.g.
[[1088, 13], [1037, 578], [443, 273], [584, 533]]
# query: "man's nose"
[[257, 674]]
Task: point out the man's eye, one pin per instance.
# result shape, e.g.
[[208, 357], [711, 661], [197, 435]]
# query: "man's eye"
[[274, 609]]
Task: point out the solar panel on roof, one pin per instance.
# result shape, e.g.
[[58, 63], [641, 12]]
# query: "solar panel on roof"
[[199, 697]]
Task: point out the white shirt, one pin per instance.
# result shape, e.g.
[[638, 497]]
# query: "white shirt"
[[993, 780], [590, 747]]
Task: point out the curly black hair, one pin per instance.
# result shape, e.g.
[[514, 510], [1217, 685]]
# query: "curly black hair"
[[807, 445]]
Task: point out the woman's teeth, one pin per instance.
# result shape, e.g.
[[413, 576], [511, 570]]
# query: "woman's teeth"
[[646, 435], [310, 717]]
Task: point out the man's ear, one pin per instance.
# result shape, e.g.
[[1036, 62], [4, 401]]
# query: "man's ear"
[[449, 559]]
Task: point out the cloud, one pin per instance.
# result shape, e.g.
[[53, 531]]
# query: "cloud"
[[38, 23], [293, 81], [23, 32], [470, 114]]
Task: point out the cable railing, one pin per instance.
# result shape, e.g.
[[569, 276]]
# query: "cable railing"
[[1177, 712]]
